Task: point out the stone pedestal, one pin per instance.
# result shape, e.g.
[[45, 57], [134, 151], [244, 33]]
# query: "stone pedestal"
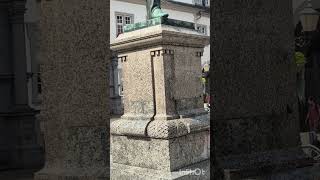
[[164, 129], [255, 119], [74, 45]]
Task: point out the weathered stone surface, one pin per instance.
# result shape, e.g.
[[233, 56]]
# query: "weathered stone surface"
[[75, 38], [164, 126], [252, 59], [159, 154], [161, 73], [253, 83]]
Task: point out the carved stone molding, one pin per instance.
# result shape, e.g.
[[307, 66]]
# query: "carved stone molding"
[[159, 128], [123, 58], [199, 53], [161, 52]]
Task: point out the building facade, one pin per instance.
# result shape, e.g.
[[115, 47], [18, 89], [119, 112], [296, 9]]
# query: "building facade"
[[20, 139]]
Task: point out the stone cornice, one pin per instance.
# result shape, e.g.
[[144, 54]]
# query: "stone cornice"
[[159, 35]]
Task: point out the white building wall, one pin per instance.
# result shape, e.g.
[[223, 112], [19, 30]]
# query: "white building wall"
[[139, 12]]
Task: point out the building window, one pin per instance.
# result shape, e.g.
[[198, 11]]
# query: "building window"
[[201, 2], [201, 28], [122, 19]]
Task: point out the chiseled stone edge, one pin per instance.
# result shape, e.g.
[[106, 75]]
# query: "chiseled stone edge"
[[162, 129]]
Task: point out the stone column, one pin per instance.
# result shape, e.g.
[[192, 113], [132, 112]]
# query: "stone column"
[[74, 72], [255, 115], [164, 129]]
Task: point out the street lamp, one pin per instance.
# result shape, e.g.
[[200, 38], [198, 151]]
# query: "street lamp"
[[309, 18]]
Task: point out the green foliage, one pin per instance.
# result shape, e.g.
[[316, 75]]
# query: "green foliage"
[[299, 58]]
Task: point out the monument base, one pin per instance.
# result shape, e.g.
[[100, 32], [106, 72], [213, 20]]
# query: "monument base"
[[198, 171], [164, 130], [168, 151], [161, 154]]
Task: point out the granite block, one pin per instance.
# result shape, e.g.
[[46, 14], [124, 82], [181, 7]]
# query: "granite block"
[[159, 154], [74, 46]]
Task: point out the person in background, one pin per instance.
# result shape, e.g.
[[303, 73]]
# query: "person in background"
[[209, 99], [312, 119]]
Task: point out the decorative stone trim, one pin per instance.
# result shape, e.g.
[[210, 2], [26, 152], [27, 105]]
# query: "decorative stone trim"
[[199, 53], [123, 58], [155, 53], [161, 52], [160, 129], [167, 51]]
